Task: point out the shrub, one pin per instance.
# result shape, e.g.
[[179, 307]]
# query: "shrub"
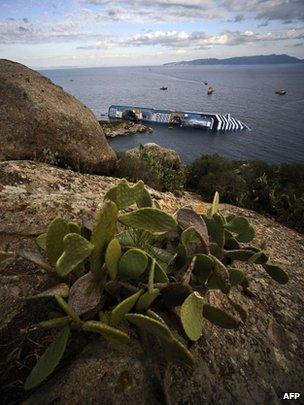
[[204, 165], [274, 190], [229, 184], [159, 173], [139, 263]]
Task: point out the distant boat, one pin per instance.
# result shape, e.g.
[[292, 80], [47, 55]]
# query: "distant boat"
[[217, 122], [71, 80], [205, 83], [163, 88], [281, 92], [210, 90]]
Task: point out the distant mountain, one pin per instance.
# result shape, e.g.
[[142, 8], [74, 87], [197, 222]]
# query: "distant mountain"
[[242, 60]]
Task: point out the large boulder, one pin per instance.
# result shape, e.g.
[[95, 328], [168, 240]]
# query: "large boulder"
[[251, 365], [39, 120], [158, 152]]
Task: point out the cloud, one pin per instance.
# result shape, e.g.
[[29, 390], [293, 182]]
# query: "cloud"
[[281, 10], [195, 40]]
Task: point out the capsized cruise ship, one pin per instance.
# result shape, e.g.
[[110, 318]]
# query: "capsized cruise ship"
[[217, 122]]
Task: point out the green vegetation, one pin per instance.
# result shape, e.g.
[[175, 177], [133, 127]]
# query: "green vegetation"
[[157, 172], [273, 190], [141, 267]]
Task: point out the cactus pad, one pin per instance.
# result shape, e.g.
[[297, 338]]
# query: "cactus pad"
[[111, 334], [242, 228], [76, 250], [132, 264], [145, 300], [56, 231], [103, 232], [151, 325], [112, 257], [49, 360], [192, 316], [124, 195], [149, 219], [123, 308]]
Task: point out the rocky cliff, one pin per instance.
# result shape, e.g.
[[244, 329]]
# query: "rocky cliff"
[[253, 364]]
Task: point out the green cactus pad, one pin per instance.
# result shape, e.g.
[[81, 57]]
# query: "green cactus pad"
[[41, 241], [236, 276], [112, 257], [151, 325], [222, 275], [56, 231], [132, 264], [259, 256], [145, 300], [162, 256], [124, 195], [76, 250], [59, 322], [215, 204], [242, 255], [203, 267], [190, 235], [219, 317], [68, 310], [49, 360], [176, 352], [123, 308], [231, 243], [113, 335], [74, 228], [154, 315], [242, 228], [149, 219], [159, 275], [145, 200], [192, 316], [215, 229], [151, 276], [103, 232], [277, 273]]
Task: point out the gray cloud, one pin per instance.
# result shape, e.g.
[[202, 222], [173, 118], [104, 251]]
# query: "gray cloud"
[[194, 40]]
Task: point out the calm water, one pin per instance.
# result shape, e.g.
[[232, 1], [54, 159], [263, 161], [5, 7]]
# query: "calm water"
[[247, 92]]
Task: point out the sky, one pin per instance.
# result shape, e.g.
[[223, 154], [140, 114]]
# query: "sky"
[[88, 33]]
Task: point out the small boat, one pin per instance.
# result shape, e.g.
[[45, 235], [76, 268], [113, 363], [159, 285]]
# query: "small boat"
[[281, 92], [71, 80], [216, 122], [205, 83], [163, 88], [210, 90]]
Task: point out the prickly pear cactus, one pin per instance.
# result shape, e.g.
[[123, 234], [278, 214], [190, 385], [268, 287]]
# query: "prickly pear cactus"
[[140, 263]]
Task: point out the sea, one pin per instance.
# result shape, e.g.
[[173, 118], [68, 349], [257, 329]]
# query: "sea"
[[246, 92]]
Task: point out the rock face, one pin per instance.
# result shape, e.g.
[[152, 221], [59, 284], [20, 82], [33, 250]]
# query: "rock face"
[[39, 120], [122, 128], [251, 365], [157, 151]]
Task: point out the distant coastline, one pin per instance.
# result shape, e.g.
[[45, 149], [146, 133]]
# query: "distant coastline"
[[243, 60]]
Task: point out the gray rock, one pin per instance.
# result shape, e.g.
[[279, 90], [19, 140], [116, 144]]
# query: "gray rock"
[[39, 120], [157, 151]]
